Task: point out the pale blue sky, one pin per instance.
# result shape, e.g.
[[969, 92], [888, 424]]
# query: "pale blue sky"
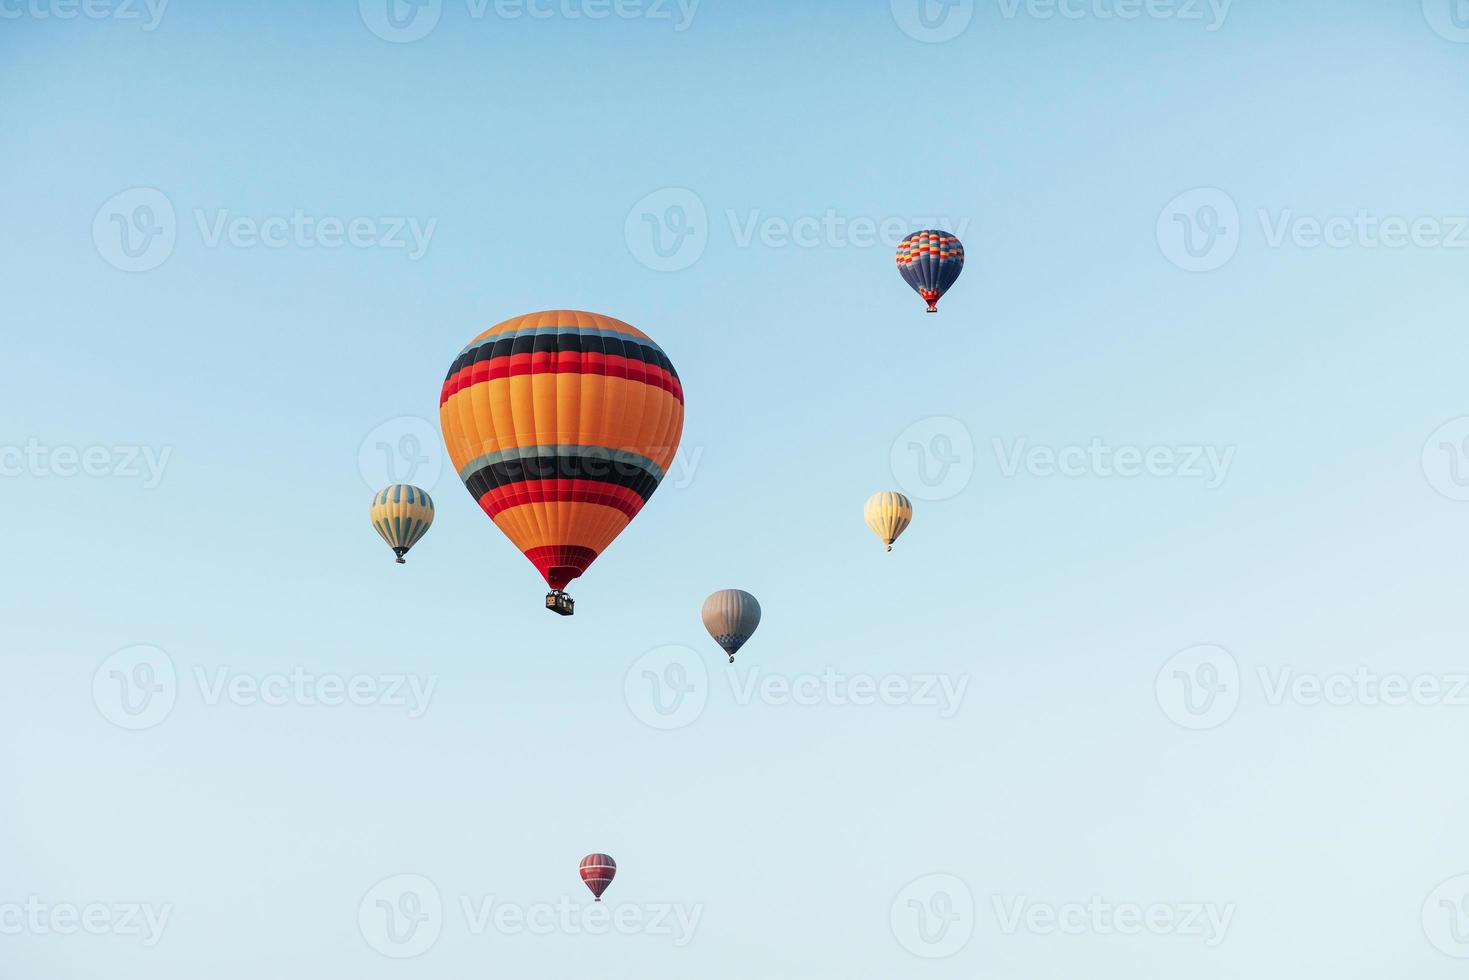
[[521, 148]]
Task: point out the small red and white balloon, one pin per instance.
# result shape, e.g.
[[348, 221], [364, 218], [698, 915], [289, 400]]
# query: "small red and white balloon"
[[597, 871]]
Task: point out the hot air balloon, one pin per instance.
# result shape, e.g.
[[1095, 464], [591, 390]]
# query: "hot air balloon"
[[402, 515], [731, 616], [888, 514], [561, 425], [930, 261], [598, 870]]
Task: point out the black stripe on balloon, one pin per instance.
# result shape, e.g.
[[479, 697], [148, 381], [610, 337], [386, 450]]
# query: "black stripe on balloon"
[[555, 343], [590, 466]]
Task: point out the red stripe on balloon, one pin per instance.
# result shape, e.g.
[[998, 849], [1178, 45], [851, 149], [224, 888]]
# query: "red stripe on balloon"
[[562, 362], [562, 491]]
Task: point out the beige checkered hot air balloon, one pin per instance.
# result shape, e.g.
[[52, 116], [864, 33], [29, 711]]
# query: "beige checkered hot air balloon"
[[888, 514]]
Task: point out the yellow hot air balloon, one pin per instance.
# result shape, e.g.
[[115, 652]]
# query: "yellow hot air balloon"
[[402, 515], [561, 425], [888, 514]]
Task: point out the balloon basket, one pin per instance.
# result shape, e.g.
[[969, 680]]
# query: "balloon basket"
[[560, 603]]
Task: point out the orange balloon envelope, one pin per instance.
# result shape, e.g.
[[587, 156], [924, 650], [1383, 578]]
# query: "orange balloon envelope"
[[561, 425]]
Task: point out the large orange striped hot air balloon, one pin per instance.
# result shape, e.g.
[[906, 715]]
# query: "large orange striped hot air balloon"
[[561, 424]]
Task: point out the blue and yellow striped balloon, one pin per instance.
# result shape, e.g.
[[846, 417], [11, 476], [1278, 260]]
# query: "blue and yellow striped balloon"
[[402, 516]]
